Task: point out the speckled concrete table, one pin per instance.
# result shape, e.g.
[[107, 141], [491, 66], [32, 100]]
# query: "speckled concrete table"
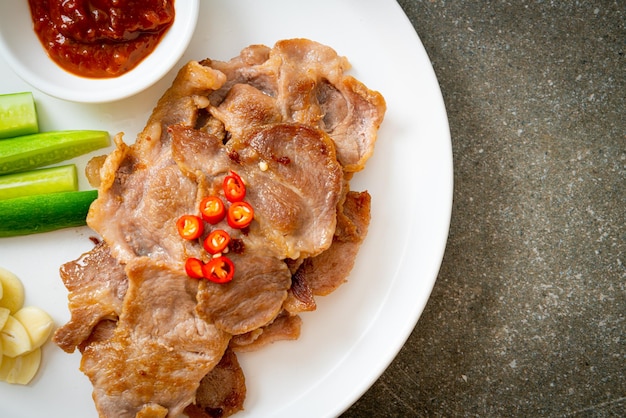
[[528, 315]]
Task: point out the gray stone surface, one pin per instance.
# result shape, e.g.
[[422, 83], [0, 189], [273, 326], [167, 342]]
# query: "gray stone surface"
[[528, 316]]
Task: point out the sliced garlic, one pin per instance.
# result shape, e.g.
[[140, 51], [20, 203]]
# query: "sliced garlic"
[[4, 315], [23, 330], [37, 322], [14, 338], [12, 291], [21, 369]]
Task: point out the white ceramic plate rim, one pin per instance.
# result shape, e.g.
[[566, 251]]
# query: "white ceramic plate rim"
[[22, 50], [357, 331]]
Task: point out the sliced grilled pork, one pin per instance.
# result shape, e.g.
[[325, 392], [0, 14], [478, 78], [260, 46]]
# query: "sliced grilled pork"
[[159, 350], [284, 327], [97, 284], [322, 274], [222, 391], [251, 300], [141, 188], [295, 213], [295, 128], [301, 81]]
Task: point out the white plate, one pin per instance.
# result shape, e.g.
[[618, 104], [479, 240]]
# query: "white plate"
[[357, 331]]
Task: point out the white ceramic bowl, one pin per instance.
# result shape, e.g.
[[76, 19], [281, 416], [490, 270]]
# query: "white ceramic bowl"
[[21, 48]]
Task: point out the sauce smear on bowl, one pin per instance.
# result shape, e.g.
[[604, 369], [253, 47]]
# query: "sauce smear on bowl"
[[100, 38]]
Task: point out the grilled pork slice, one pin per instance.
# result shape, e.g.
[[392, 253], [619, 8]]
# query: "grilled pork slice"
[[160, 349], [222, 391], [315, 276], [300, 81], [284, 327], [141, 188], [321, 275], [326, 272], [295, 212], [97, 284]]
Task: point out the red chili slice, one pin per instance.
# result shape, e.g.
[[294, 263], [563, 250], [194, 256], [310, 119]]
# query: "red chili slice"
[[193, 268], [219, 270], [234, 189], [190, 227], [212, 209], [216, 241], [240, 215]]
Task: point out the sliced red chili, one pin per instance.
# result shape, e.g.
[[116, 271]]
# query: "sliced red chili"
[[190, 226], [216, 241], [234, 189], [193, 268], [219, 270], [240, 215], [212, 209]]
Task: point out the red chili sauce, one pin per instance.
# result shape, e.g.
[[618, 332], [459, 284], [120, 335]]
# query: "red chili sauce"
[[100, 38]]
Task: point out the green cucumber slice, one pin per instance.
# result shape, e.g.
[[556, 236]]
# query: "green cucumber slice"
[[44, 212], [44, 180], [18, 115], [31, 151]]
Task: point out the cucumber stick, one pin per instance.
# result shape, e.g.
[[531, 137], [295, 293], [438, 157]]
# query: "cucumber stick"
[[36, 150], [44, 180], [44, 212], [18, 115]]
